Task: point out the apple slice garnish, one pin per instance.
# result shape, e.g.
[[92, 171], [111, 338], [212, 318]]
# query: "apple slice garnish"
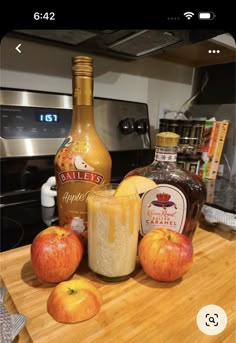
[[134, 184]]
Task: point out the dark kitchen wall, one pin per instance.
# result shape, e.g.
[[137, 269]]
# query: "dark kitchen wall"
[[221, 84]]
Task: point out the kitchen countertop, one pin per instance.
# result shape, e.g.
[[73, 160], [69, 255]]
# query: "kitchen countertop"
[[139, 309]]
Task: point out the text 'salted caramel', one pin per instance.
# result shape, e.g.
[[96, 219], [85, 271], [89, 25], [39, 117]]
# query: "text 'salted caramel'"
[[82, 160]]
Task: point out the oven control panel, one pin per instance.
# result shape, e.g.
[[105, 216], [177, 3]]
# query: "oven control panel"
[[34, 122]]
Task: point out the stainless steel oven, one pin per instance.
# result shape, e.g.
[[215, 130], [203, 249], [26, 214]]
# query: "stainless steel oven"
[[33, 125]]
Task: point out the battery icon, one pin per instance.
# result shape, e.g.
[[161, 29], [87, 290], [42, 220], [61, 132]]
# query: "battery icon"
[[206, 15]]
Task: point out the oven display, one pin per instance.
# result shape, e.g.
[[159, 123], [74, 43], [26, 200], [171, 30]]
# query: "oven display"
[[48, 117], [34, 122]]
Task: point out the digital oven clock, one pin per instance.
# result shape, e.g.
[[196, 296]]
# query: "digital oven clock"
[[48, 117]]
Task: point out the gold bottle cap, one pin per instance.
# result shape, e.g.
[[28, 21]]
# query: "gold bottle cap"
[[82, 66], [167, 139]]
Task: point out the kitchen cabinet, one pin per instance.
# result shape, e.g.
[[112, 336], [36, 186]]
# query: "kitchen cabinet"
[[197, 55], [139, 309]]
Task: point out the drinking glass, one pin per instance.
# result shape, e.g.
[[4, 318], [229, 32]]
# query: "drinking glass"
[[113, 227]]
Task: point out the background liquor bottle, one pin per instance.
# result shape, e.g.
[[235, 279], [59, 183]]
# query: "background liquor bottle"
[[177, 200], [82, 161]]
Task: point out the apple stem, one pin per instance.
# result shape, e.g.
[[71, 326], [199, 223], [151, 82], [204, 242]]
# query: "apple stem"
[[169, 237], [72, 291]]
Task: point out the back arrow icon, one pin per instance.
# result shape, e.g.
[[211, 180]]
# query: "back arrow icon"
[[18, 48]]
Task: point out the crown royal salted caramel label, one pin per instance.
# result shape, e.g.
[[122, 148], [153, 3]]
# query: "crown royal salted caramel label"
[[163, 206]]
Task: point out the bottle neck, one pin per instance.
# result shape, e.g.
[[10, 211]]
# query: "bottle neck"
[[82, 102], [167, 155], [82, 90]]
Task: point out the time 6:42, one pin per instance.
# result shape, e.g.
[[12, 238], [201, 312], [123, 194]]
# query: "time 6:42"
[[44, 16]]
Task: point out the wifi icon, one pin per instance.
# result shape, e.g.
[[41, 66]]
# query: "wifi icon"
[[188, 15]]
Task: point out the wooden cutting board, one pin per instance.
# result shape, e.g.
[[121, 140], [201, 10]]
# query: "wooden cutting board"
[[137, 310]]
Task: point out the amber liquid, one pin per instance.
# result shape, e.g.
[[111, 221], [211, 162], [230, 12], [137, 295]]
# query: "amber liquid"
[[191, 186]]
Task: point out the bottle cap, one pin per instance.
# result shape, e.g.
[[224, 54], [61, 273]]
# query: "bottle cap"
[[167, 139], [82, 66]]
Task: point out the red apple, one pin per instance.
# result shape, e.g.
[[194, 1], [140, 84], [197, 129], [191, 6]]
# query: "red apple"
[[74, 301], [165, 255], [56, 253]]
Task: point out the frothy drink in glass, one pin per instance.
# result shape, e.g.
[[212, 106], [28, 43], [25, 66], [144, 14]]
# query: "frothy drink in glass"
[[113, 226]]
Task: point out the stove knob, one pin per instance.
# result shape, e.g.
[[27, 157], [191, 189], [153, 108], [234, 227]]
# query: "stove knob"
[[127, 126], [141, 126]]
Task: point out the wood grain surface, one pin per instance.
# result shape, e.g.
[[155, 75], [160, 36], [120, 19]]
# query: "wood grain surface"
[[137, 310], [23, 335]]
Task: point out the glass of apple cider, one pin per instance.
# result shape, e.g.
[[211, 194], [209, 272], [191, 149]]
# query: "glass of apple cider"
[[113, 227]]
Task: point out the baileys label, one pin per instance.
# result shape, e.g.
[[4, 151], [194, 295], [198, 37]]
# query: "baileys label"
[[80, 175]]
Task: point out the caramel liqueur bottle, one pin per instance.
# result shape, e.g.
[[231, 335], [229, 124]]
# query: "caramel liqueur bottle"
[[177, 200], [82, 161]]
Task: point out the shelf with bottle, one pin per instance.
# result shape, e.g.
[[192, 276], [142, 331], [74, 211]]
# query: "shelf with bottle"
[[190, 131], [191, 134]]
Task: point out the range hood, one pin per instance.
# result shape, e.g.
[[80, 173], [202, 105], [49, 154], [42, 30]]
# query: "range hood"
[[124, 44]]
